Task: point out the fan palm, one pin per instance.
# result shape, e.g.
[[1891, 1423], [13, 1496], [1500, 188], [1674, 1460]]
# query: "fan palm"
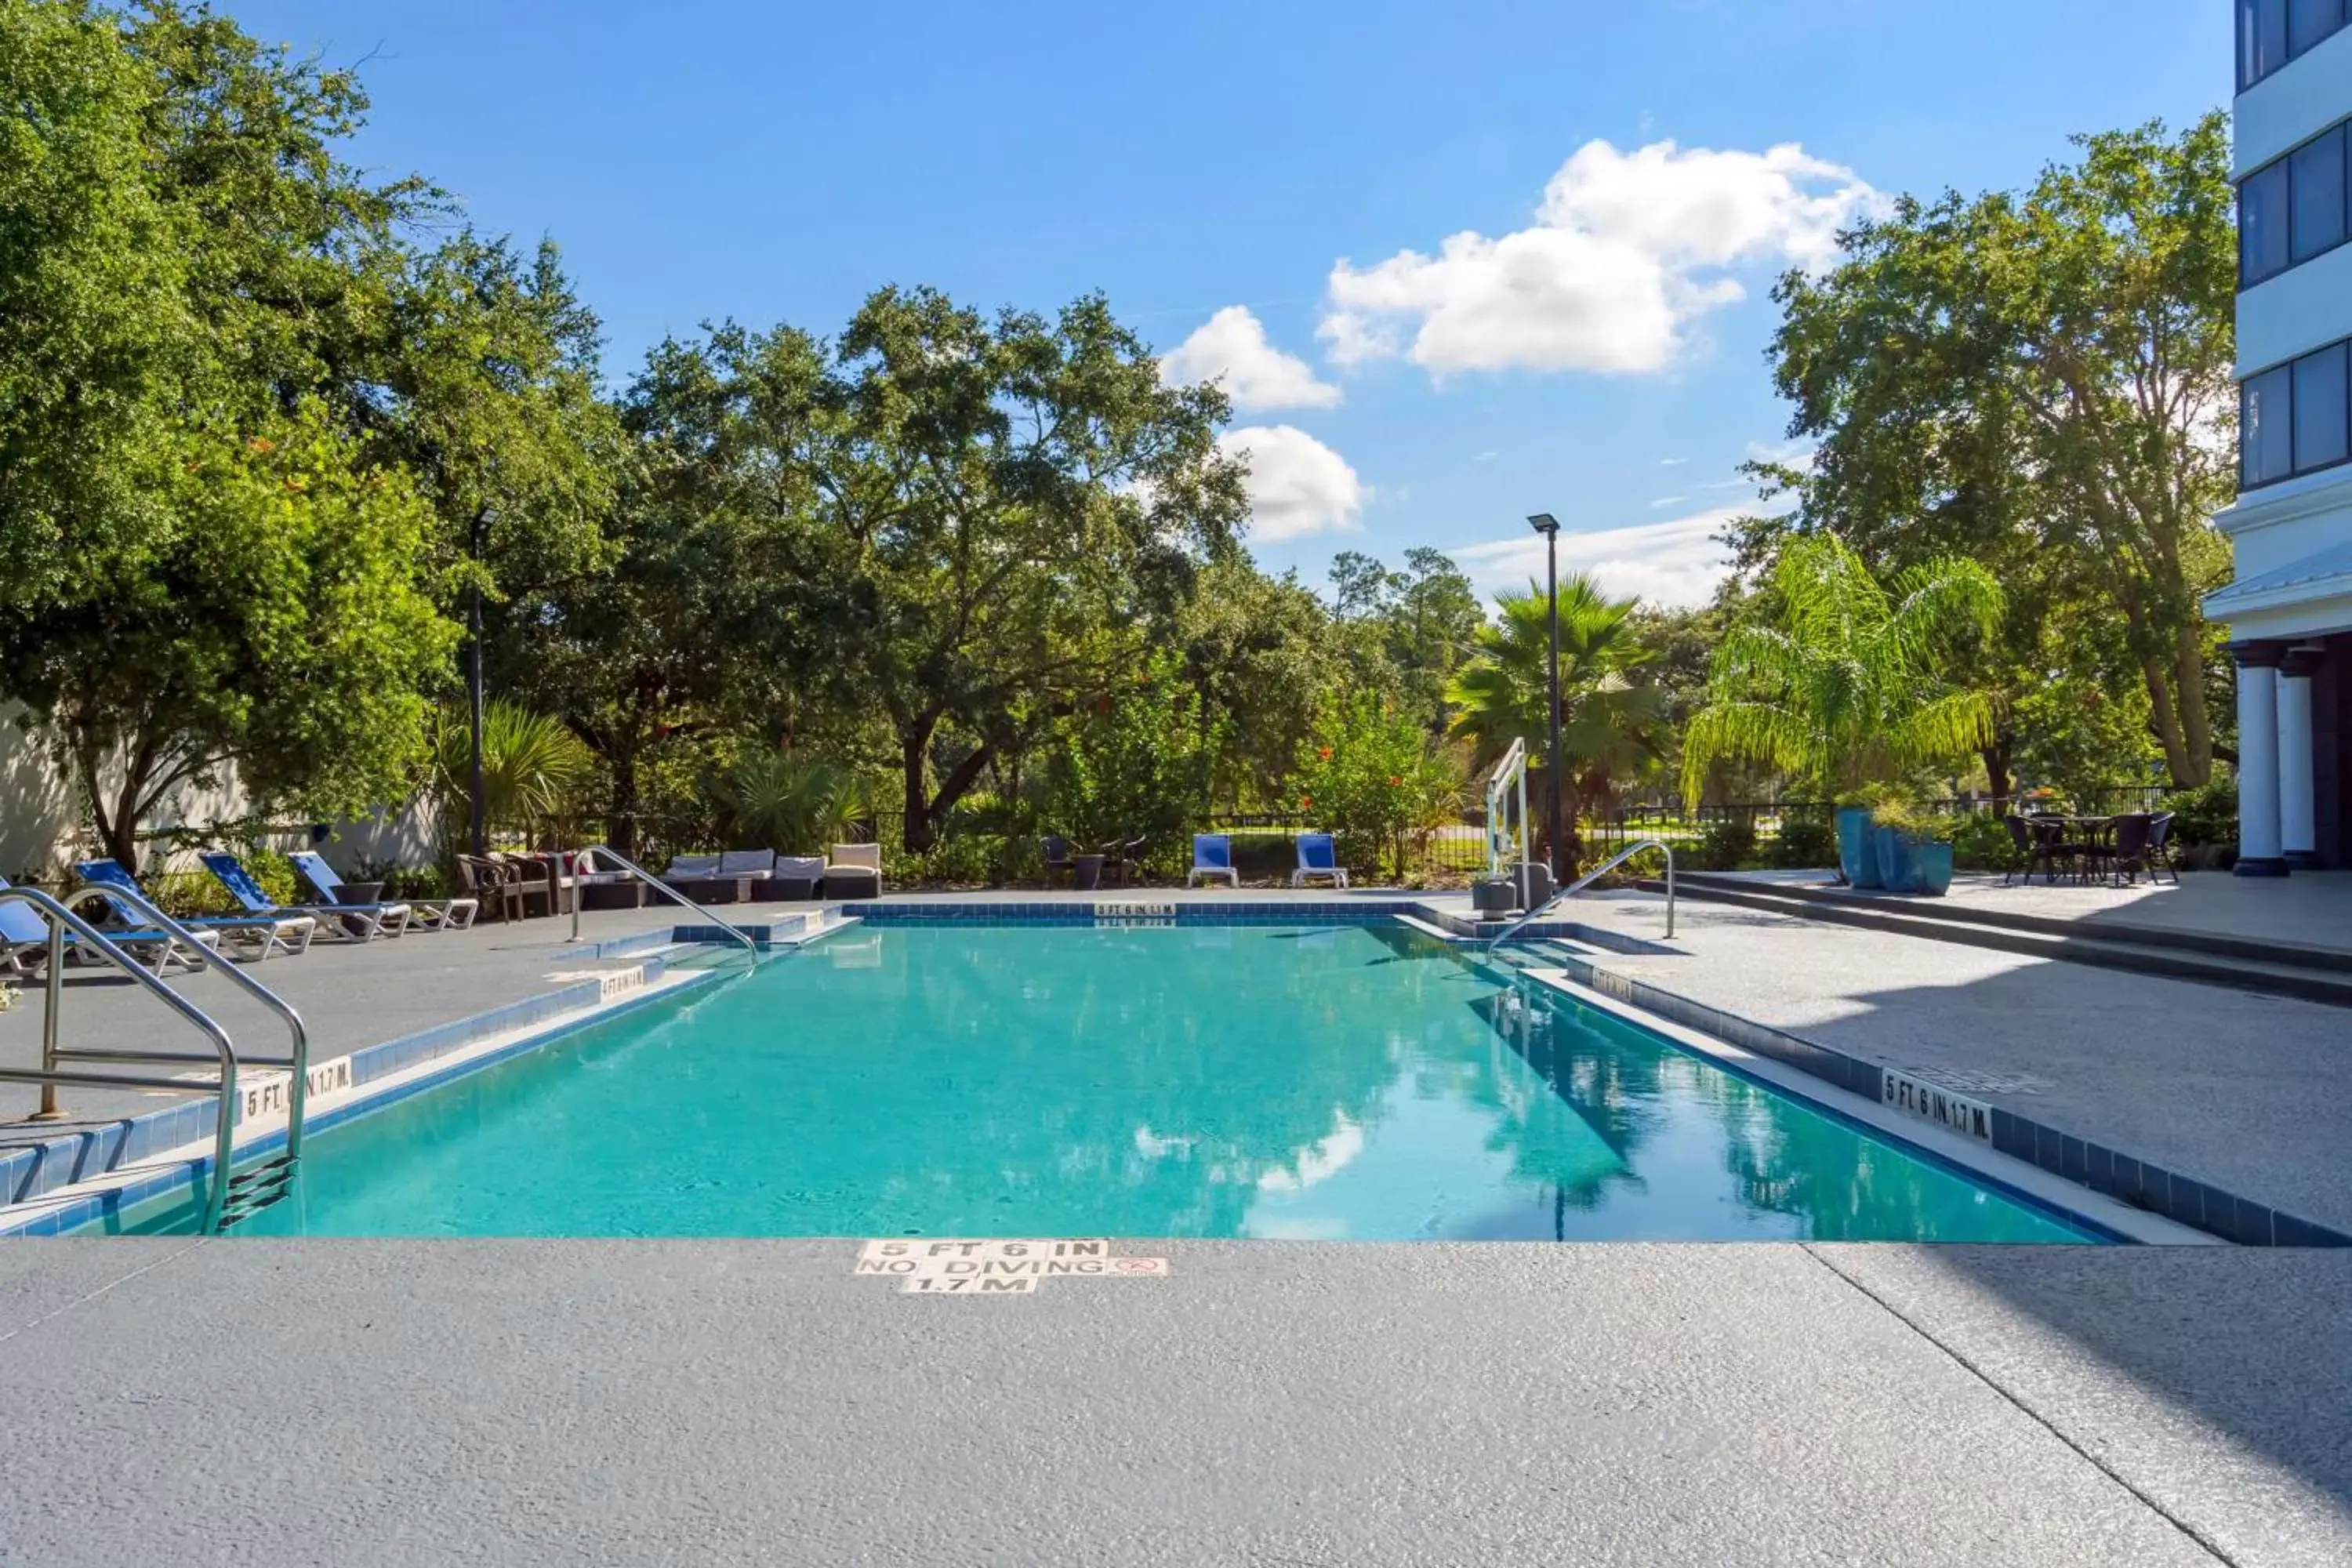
[[790, 804], [1844, 682], [535, 769], [1608, 724]]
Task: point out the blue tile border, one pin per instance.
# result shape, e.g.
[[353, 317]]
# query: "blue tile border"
[[28, 1174], [2127, 1178]]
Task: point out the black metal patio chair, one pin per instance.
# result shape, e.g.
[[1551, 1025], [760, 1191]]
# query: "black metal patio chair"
[[2127, 853], [2159, 849]]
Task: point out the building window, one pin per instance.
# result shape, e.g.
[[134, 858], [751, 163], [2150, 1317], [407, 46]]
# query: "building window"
[[2265, 434], [2272, 32], [2296, 207], [2315, 199], [2263, 224], [2308, 21], [2296, 418], [2323, 432]]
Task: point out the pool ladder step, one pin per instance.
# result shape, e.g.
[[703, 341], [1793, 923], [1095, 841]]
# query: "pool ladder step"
[[256, 1187]]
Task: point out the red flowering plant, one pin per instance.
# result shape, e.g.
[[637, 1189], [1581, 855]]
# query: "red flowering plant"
[[1376, 778]]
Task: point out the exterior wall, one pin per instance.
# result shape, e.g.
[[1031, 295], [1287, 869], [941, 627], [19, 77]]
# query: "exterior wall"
[[41, 828], [2301, 98], [2301, 308]]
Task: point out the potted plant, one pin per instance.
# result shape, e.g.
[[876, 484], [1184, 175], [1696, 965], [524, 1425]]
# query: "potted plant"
[[1857, 841], [1915, 848]]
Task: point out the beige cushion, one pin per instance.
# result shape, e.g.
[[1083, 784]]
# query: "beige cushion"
[[863, 856]]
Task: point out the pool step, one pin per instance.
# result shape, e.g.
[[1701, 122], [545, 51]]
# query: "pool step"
[[256, 1187], [2308, 974]]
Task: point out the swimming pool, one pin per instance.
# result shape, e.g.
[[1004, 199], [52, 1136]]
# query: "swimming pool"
[[1333, 1082]]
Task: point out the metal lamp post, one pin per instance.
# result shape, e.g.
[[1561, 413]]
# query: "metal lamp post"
[[1543, 522]]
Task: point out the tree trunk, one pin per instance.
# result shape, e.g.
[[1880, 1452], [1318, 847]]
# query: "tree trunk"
[[2163, 718], [1996, 765], [914, 754], [622, 830], [2197, 729]]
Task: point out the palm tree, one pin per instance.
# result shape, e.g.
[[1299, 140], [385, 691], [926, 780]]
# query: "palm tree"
[[1608, 724], [535, 769], [790, 804], [1844, 681]]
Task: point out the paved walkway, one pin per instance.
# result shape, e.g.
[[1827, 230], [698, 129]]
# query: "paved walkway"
[[524, 1403], [2253, 1093]]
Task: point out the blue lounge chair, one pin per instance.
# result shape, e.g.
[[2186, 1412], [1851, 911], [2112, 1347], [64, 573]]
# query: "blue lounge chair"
[[261, 935], [1212, 856], [24, 942], [361, 922], [1317, 858], [435, 915]]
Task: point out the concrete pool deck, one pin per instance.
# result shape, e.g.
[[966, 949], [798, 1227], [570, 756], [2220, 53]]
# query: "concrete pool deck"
[[524, 1403], [2249, 1092]]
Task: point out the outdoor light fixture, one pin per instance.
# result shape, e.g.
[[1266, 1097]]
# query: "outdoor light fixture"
[[1543, 522]]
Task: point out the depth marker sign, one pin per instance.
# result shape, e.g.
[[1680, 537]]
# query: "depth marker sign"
[[998, 1268]]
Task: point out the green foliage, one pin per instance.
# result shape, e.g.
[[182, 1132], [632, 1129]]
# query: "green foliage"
[[284, 629], [535, 772], [1982, 842], [1726, 844], [2032, 381], [2207, 814], [1371, 774], [793, 805], [1919, 824], [1805, 841], [1134, 761], [1845, 679]]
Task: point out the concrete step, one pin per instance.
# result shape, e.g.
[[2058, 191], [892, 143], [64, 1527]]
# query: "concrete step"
[[2309, 975]]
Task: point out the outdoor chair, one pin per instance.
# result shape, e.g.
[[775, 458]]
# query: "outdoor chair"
[[361, 922], [1125, 858], [2127, 854], [2043, 842], [1317, 858], [25, 943], [853, 871], [491, 885], [1058, 857], [260, 935], [424, 914], [1212, 856], [2159, 849], [532, 877], [798, 876]]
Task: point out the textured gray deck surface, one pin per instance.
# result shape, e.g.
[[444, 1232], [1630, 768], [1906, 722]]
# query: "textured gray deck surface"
[[401, 1403], [2252, 1093]]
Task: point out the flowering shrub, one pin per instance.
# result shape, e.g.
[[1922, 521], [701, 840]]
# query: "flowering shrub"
[[1371, 774]]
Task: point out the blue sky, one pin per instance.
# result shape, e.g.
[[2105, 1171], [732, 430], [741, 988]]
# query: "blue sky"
[[1592, 347]]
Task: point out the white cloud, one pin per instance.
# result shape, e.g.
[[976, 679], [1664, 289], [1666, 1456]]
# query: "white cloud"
[[1486, 456], [1231, 347], [1667, 501], [1671, 462], [1672, 564], [1298, 486], [1797, 455], [1627, 251]]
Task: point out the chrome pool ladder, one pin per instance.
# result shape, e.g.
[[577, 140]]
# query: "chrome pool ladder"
[[581, 860], [232, 1195], [1587, 879]]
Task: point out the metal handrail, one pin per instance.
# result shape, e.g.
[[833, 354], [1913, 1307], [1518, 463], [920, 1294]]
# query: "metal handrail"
[[582, 858], [1593, 875], [297, 1090], [62, 919]]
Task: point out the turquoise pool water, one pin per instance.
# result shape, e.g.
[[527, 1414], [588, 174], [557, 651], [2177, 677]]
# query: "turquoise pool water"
[[1351, 1082]]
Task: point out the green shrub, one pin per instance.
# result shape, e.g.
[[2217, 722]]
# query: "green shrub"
[[1983, 844], [1725, 845], [2208, 814], [1806, 842]]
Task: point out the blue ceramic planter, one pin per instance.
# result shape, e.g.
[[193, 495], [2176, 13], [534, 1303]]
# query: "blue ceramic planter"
[[1906, 865], [1857, 847]]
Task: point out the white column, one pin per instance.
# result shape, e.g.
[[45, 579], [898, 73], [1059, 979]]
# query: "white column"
[[2259, 850], [2298, 836]]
